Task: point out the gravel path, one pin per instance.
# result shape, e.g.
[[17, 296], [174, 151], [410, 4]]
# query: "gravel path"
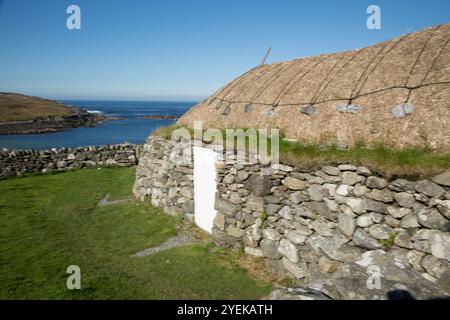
[[104, 202], [182, 239]]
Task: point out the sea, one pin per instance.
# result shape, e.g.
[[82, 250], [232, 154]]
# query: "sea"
[[132, 129]]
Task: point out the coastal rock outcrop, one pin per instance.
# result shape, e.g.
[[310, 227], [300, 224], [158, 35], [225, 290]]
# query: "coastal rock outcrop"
[[21, 114]]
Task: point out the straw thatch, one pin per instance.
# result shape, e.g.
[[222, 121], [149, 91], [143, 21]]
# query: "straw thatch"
[[396, 92]]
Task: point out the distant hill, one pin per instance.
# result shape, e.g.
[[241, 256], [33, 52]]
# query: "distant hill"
[[21, 114], [18, 107]]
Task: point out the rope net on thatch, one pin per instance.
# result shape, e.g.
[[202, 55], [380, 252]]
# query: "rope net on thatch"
[[396, 92]]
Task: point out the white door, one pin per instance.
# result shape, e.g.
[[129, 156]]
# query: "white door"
[[204, 187]]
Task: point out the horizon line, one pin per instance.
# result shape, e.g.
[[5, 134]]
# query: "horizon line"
[[162, 98]]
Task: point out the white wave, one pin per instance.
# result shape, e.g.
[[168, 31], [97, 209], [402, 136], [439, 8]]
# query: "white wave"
[[95, 111]]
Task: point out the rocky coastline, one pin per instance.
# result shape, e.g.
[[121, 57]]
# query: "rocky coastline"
[[52, 124], [23, 114]]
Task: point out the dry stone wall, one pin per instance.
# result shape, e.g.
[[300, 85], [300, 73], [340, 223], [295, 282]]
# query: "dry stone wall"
[[328, 229], [19, 162], [334, 223], [161, 177]]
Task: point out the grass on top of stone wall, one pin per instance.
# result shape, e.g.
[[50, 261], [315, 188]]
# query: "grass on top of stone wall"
[[166, 132], [409, 162], [413, 162]]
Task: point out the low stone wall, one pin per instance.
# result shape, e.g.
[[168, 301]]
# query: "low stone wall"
[[161, 177], [337, 230], [18, 162], [333, 224]]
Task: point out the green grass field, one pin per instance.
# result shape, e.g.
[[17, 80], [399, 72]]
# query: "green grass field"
[[48, 222]]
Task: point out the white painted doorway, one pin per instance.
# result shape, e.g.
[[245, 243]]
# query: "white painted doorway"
[[205, 187]]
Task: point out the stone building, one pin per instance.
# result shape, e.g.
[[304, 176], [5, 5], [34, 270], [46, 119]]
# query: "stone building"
[[396, 92]]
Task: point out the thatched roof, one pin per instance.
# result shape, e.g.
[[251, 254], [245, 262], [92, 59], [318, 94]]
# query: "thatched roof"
[[396, 92]]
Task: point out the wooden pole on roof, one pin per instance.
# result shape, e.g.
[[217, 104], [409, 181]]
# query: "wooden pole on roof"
[[263, 62]]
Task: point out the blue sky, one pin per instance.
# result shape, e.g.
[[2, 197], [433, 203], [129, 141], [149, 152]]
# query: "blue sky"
[[179, 49]]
